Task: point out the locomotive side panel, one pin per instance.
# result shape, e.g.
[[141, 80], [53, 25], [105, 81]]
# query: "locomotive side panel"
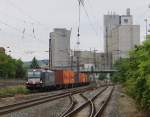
[[49, 79]]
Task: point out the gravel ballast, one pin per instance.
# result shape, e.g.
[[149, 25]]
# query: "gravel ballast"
[[49, 109]]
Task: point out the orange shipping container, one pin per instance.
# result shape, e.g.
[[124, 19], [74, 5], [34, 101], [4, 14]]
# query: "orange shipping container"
[[82, 78], [64, 77]]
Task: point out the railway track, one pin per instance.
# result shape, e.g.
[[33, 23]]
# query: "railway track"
[[29, 103], [103, 105], [89, 108], [72, 103]]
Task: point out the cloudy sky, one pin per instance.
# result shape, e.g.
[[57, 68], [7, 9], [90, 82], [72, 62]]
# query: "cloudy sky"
[[25, 24]]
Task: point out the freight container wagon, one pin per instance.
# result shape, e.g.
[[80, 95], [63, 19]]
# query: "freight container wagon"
[[83, 79], [40, 79], [64, 78]]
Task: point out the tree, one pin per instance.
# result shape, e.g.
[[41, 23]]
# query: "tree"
[[34, 64], [20, 70], [11, 68], [7, 66]]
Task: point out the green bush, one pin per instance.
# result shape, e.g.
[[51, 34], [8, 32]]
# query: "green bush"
[[11, 91], [130, 87], [134, 74]]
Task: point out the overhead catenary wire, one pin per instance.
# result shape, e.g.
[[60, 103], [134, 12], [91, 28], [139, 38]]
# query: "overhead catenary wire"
[[24, 21], [35, 21], [98, 26], [13, 17], [22, 32], [21, 11], [34, 33], [14, 28], [10, 26], [89, 20]]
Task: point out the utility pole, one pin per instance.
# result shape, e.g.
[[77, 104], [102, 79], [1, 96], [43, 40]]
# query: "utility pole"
[[146, 29], [107, 54], [80, 2], [78, 41], [95, 65], [78, 65], [71, 62], [94, 58], [50, 52]]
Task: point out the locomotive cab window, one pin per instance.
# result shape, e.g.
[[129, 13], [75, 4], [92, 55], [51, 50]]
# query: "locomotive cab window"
[[34, 74]]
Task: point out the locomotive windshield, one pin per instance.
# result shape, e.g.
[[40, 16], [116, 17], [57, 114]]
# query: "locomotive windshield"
[[34, 74]]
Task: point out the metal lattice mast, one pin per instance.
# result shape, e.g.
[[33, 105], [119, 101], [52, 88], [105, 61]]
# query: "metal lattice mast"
[[78, 42]]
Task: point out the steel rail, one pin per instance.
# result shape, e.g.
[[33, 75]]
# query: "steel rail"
[[37, 101], [91, 105], [70, 106], [104, 104], [85, 104]]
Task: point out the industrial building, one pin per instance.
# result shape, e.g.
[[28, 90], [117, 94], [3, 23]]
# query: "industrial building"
[[62, 57], [60, 48], [89, 59], [125, 38], [120, 35]]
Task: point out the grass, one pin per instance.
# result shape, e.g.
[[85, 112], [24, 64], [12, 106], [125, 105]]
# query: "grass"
[[93, 85], [11, 91]]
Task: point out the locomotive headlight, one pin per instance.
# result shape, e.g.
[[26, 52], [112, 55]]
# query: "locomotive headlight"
[[27, 82], [41, 82]]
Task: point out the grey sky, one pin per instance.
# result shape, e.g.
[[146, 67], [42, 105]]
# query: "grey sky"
[[17, 16]]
